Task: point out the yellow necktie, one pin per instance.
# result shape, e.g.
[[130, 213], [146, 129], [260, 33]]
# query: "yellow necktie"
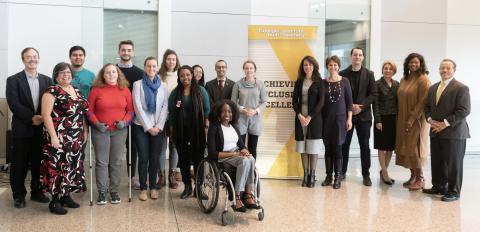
[[440, 89]]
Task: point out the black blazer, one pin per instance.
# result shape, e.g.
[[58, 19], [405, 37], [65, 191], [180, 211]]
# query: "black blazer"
[[214, 92], [215, 140], [367, 93], [453, 105], [316, 99], [20, 102]]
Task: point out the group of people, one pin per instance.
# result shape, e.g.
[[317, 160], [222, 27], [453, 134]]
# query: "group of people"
[[166, 105], [405, 113], [169, 105]]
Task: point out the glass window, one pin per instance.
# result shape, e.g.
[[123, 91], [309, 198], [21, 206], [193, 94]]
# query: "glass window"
[[139, 26]]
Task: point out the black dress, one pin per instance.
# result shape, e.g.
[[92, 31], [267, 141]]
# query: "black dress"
[[385, 112], [338, 101]]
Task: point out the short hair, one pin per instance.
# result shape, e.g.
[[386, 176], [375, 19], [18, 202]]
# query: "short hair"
[[76, 48], [316, 73], [357, 48], [333, 58], [411, 56], [451, 61], [163, 67], [58, 68], [250, 62], [125, 42], [218, 61], [121, 80], [25, 50], [217, 111], [150, 58], [391, 63]]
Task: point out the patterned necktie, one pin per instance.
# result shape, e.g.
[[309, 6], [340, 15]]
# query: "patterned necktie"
[[440, 89]]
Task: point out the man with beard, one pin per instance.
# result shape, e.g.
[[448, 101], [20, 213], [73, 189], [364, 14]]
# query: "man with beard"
[[24, 96], [82, 77], [132, 73]]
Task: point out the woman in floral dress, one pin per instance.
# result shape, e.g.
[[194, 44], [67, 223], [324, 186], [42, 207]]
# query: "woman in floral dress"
[[63, 110]]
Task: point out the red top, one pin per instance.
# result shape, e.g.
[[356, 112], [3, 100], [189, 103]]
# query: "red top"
[[110, 104]]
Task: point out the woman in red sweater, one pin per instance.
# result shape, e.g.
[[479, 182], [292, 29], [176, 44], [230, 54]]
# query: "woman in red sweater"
[[110, 112]]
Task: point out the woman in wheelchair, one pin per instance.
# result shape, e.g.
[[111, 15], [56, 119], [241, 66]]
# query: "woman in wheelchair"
[[226, 146]]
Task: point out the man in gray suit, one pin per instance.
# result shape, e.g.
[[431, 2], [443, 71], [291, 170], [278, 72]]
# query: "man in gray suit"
[[447, 107]]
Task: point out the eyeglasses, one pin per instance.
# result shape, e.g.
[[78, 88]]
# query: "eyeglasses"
[[65, 72], [30, 57]]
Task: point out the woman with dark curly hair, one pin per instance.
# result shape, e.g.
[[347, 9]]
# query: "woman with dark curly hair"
[[226, 145], [411, 144], [188, 106]]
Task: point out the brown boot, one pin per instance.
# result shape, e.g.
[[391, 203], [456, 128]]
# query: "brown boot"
[[417, 185], [178, 176], [172, 183]]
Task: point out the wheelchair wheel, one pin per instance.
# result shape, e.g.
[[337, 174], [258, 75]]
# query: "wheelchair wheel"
[[207, 185]]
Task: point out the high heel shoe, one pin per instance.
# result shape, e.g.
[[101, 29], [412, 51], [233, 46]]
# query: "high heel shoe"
[[409, 181], [387, 182]]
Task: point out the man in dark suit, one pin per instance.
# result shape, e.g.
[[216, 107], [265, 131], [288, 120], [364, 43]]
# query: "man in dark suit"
[[221, 87], [24, 96], [362, 82], [447, 107]]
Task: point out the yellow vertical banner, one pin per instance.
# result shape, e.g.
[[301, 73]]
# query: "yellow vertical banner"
[[278, 50]]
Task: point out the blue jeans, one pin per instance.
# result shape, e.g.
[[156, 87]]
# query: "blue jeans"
[[148, 148]]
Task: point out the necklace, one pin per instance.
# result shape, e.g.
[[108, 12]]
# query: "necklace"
[[334, 91]]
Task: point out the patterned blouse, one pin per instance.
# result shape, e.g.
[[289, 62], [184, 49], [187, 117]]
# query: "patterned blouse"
[[386, 101]]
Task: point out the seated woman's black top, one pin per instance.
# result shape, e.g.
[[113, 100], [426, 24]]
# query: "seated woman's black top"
[[215, 140]]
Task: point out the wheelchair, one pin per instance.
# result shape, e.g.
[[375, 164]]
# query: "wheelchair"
[[210, 177]]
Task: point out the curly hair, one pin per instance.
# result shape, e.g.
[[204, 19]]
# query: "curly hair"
[[121, 80], [316, 73], [421, 70], [217, 111]]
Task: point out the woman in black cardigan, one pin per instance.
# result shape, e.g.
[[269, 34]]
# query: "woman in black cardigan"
[[226, 146], [307, 101]]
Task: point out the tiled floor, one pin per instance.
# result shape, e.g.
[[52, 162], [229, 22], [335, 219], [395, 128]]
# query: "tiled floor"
[[288, 207]]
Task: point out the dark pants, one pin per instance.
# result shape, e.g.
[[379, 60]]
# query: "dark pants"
[[447, 163], [27, 152], [363, 134], [149, 148], [133, 155], [333, 159], [187, 155], [252, 144]]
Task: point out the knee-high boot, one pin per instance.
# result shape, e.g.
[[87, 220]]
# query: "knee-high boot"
[[328, 171], [337, 166]]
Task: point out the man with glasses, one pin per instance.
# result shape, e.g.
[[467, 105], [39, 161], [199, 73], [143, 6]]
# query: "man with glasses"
[[24, 96], [221, 87]]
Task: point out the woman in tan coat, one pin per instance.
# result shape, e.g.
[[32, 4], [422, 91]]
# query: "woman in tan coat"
[[411, 144]]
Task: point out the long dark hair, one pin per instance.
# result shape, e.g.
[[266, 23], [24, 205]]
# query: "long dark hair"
[[163, 68], [194, 87], [217, 111], [316, 73], [421, 70], [201, 81]]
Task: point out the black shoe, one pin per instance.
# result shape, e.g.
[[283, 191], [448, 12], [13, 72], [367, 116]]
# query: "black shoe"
[[343, 176], [390, 182], [102, 198], [115, 198], [450, 197], [328, 180], [337, 183], [305, 180], [186, 192], [69, 202], [39, 197], [311, 181], [367, 181], [435, 190], [242, 209], [56, 208], [19, 203]]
